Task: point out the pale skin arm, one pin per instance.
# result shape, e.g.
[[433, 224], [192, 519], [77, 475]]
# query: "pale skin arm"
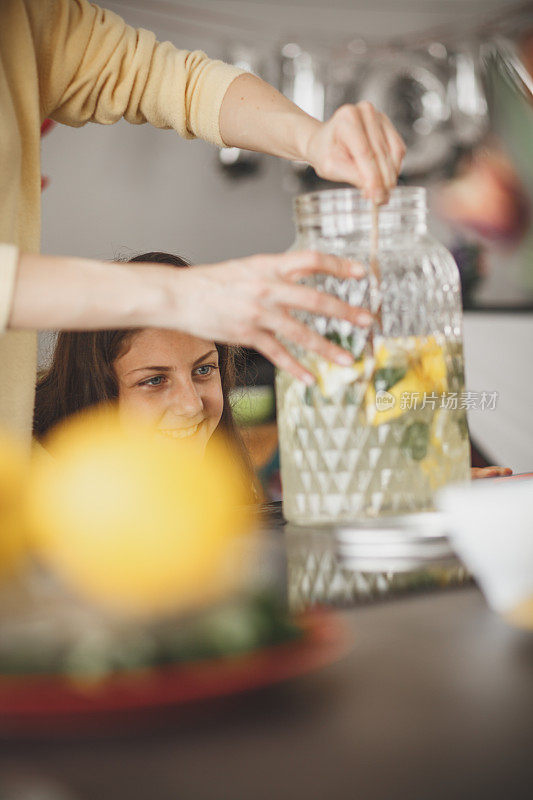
[[243, 301], [357, 145]]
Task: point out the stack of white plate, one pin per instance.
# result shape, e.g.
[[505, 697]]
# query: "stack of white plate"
[[394, 544]]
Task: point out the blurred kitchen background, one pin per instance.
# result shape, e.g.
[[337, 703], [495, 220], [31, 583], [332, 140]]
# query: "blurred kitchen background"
[[456, 78]]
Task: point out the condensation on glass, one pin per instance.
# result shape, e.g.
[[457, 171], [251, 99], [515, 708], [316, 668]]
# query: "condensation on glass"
[[379, 437]]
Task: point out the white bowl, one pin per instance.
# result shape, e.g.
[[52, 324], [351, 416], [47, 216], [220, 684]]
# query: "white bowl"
[[491, 529]]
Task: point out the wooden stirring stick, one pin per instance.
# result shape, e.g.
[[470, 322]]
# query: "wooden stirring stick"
[[374, 266]]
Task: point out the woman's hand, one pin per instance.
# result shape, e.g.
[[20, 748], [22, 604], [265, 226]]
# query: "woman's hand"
[[358, 145], [248, 301], [490, 472]]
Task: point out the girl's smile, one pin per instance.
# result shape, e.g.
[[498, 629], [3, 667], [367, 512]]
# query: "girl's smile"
[[171, 380]]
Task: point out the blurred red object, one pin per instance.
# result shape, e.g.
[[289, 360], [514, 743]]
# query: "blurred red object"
[[486, 198], [46, 127], [49, 704]]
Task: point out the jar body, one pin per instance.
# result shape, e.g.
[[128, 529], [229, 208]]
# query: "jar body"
[[383, 436]]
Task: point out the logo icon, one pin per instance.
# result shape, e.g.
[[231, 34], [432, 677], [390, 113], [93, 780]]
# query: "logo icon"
[[384, 400]]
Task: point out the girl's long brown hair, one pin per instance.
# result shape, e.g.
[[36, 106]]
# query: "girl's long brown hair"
[[82, 375]]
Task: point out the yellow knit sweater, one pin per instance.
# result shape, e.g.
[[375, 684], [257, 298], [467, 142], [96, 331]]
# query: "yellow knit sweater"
[[77, 63]]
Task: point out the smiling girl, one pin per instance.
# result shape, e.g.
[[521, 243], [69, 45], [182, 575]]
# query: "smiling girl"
[[173, 381], [177, 383]]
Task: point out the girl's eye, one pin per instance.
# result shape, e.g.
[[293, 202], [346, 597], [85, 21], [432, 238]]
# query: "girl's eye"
[[157, 380], [205, 369]]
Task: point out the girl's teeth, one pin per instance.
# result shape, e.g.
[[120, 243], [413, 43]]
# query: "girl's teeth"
[[181, 434]]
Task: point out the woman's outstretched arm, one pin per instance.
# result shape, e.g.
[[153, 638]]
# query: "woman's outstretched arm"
[[244, 301]]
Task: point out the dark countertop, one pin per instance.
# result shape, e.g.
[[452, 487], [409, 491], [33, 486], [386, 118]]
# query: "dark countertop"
[[435, 700]]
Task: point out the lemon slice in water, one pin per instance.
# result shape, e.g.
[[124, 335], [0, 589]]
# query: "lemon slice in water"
[[330, 377]]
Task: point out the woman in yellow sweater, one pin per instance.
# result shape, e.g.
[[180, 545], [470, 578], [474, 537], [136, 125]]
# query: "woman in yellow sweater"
[[76, 63]]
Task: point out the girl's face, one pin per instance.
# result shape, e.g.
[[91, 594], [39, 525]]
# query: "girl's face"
[[172, 381]]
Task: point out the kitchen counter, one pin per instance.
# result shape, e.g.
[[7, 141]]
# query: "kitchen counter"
[[434, 700]]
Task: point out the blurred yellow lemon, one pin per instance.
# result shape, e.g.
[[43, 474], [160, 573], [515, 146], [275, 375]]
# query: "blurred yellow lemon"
[[432, 365], [411, 367], [13, 472], [132, 521]]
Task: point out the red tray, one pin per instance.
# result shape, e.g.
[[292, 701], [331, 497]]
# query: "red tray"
[[52, 704]]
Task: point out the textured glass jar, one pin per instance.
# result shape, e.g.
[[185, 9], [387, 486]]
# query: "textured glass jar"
[[382, 436], [347, 564]]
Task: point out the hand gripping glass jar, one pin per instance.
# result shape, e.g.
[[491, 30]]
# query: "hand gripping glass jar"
[[381, 436]]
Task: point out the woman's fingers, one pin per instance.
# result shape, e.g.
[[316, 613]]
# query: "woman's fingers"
[[285, 326], [304, 298], [290, 329], [359, 145], [353, 137], [248, 301], [344, 169], [490, 472], [267, 344], [299, 263], [395, 142], [376, 135]]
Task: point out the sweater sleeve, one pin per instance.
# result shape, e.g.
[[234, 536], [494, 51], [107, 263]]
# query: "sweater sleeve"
[[94, 67], [9, 256]]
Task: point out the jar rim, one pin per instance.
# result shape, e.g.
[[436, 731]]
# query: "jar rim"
[[333, 201]]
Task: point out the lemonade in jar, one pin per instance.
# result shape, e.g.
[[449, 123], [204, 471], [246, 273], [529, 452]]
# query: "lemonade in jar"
[[381, 436]]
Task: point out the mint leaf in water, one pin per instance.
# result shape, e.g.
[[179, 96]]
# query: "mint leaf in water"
[[415, 440], [346, 341], [335, 337], [386, 377]]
